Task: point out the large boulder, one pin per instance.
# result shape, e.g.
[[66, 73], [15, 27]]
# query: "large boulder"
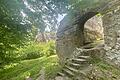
[[93, 29]]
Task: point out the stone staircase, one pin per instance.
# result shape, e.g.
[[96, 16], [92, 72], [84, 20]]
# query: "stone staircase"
[[79, 65]]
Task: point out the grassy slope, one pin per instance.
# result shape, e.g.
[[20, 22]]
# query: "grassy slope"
[[104, 71], [23, 69]]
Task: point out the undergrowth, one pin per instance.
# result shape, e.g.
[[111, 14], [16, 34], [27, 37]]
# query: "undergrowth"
[[30, 68]]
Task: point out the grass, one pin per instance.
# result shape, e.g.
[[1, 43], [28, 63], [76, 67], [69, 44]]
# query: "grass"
[[104, 71], [30, 68]]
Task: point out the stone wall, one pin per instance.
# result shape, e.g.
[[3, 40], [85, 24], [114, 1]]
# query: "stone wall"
[[69, 36], [66, 38], [111, 22]]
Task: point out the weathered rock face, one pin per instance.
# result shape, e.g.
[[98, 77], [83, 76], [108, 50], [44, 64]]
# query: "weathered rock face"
[[111, 22], [66, 38], [69, 37], [70, 34], [45, 37], [93, 29]]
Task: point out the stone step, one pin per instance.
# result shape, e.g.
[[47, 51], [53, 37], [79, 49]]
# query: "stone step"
[[82, 73], [77, 65], [83, 57], [68, 72], [71, 68], [79, 61], [60, 74], [73, 64]]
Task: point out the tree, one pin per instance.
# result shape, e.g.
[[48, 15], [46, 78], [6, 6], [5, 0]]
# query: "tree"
[[17, 18]]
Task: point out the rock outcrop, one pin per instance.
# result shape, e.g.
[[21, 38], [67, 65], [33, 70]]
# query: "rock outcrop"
[[93, 29], [79, 43], [71, 33], [45, 37], [111, 22]]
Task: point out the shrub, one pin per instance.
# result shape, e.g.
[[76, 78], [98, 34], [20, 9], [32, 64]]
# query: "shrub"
[[36, 50], [49, 49]]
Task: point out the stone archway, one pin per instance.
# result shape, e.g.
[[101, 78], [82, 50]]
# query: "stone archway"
[[93, 32], [70, 33], [80, 22]]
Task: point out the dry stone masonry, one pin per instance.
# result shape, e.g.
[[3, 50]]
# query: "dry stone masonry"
[[112, 35], [70, 34], [86, 34]]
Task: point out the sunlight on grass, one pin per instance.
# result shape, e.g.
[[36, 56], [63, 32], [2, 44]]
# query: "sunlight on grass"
[[10, 65], [30, 68]]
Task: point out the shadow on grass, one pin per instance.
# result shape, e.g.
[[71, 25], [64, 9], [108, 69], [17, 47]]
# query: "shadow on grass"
[[26, 68]]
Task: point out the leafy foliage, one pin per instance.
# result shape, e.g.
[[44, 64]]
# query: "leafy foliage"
[[12, 31], [17, 18], [20, 18], [36, 50], [30, 68]]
